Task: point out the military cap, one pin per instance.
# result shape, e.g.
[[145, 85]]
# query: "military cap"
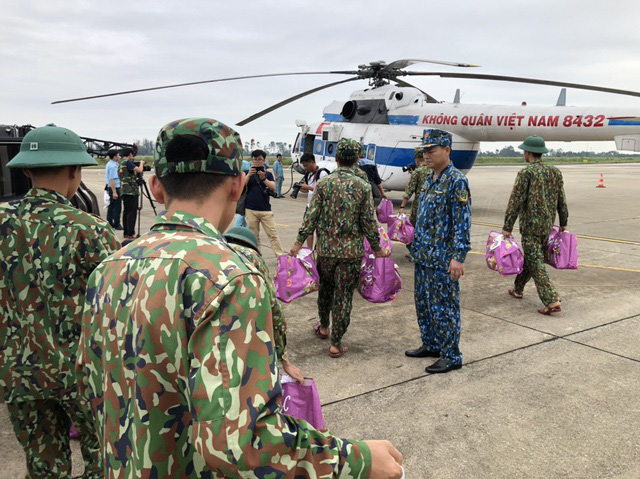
[[418, 152], [349, 149], [433, 137], [243, 235], [224, 144], [534, 144], [50, 146]]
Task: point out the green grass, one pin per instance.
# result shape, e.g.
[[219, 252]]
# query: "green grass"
[[491, 161]]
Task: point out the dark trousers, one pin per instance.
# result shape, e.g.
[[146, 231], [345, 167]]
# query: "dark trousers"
[[115, 208], [129, 214], [42, 428]]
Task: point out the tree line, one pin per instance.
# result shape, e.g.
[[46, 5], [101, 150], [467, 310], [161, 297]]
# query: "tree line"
[[146, 146], [511, 152]]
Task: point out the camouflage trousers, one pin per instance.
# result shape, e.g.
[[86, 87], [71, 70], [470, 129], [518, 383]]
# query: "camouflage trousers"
[[438, 310], [42, 428], [533, 247], [338, 280]]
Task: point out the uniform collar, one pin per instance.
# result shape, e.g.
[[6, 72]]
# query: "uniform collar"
[[183, 221], [45, 194], [443, 174], [347, 169]]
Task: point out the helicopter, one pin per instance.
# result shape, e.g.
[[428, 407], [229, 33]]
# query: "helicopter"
[[390, 117]]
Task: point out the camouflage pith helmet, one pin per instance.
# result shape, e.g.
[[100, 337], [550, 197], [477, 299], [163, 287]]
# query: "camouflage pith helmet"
[[244, 236], [433, 137], [349, 149], [224, 144], [50, 146], [418, 153], [534, 144]]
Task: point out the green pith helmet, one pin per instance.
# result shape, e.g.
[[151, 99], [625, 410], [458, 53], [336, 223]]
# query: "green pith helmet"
[[534, 144], [243, 235], [51, 146]]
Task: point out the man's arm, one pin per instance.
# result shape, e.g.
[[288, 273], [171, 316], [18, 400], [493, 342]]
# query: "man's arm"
[[114, 190], [137, 169], [461, 218], [563, 209], [267, 179], [234, 372], [516, 201]]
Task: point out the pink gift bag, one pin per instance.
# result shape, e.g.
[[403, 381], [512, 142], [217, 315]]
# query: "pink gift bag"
[[385, 211], [562, 250], [302, 401], [400, 229], [296, 276], [503, 255], [385, 242], [380, 280]]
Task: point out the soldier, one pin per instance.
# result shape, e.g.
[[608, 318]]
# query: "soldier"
[[130, 191], [48, 250], [177, 344], [439, 248], [537, 194], [246, 243], [341, 212], [414, 187]]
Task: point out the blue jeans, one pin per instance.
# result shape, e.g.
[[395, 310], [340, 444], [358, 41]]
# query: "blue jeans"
[[279, 182]]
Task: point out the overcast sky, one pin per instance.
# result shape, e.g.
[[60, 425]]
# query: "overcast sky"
[[56, 50]]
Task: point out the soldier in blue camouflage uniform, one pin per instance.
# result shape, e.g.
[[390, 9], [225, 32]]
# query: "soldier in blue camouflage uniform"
[[177, 348], [439, 248], [341, 213], [537, 194], [48, 249]]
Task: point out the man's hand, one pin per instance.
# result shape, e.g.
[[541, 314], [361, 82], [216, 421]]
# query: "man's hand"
[[563, 228], [296, 248], [252, 171], [293, 371], [114, 195], [456, 270], [506, 234], [262, 175], [385, 460], [382, 253]]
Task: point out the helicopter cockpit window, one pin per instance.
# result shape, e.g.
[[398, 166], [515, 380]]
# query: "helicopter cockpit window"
[[391, 96], [308, 143]]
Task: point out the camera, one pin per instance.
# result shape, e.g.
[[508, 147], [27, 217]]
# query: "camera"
[[410, 167], [144, 168], [296, 190]]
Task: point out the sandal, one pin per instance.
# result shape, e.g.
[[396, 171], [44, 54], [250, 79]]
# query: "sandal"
[[342, 349], [513, 293], [319, 334], [547, 310]]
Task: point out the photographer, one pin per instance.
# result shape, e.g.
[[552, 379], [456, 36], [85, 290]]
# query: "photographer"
[[260, 186], [309, 182], [369, 167], [130, 191]]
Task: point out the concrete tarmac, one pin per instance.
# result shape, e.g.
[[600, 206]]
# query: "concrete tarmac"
[[538, 396]]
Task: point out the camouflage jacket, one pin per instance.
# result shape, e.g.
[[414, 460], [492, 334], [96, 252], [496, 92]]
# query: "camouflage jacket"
[[279, 323], [48, 250], [537, 194], [128, 183], [414, 188], [341, 212], [180, 369], [442, 230]]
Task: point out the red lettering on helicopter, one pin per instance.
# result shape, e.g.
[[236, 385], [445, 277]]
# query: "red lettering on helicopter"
[[586, 121], [544, 120], [440, 119]]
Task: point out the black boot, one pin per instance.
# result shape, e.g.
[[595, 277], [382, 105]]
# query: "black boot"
[[422, 352]]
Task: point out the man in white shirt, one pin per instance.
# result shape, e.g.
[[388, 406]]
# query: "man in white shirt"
[[311, 178]]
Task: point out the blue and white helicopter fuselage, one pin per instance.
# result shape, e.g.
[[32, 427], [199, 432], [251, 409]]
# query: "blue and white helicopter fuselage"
[[390, 121]]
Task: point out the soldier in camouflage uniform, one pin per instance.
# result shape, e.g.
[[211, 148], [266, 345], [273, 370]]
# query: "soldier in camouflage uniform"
[[177, 346], [130, 191], [48, 249], [439, 248], [414, 187], [244, 241], [341, 212], [537, 194]]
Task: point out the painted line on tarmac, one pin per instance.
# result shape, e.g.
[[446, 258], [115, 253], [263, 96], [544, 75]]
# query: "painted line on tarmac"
[[611, 268], [594, 238]]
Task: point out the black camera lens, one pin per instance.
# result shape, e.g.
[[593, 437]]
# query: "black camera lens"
[[296, 190]]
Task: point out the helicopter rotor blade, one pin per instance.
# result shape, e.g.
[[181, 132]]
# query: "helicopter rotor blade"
[[164, 87], [430, 99], [400, 64], [292, 99], [479, 76]]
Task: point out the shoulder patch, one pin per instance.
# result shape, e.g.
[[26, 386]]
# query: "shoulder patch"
[[463, 197]]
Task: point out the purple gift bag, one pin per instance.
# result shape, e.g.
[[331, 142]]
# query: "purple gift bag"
[[380, 280], [385, 211], [302, 401], [401, 229], [562, 250], [503, 255], [296, 276], [385, 242]]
